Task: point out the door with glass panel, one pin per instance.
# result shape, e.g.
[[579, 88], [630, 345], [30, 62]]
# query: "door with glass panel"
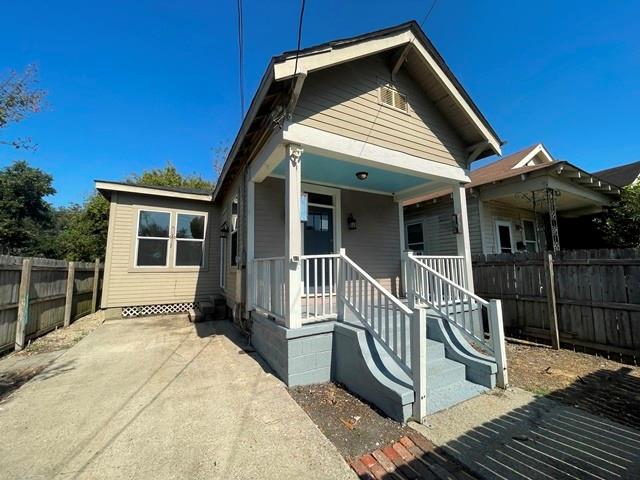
[[318, 239]]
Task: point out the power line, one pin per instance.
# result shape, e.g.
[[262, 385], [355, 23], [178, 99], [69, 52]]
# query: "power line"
[[241, 57], [295, 68], [428, 13]]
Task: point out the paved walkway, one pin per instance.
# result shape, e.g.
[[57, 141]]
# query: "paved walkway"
[[515, 435], [160, 398]]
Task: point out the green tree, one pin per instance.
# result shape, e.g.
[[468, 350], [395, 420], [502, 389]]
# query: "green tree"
[[169, 177], [81, 230], [621, 227], [24, 212], [19, 97]]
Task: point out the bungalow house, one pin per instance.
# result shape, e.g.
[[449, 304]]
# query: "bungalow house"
[[622, 176], [303, 236], [520, 202]]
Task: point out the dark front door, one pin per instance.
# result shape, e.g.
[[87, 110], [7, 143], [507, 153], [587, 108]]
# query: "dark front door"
[[318, 240]]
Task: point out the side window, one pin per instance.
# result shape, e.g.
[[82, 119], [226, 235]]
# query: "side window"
[[152, 238], [415, 237], [190, 240], [234, 232], [504, 238], [529, 235]]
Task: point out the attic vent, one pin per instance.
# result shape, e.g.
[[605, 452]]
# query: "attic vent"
[[390, 96]]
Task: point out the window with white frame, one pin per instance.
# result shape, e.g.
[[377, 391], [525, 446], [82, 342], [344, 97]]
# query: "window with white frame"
[[161, 232], [223, 258], [152, 238], [189, 240], [529, 235], [234, 232], [504, 237], [415, 237]]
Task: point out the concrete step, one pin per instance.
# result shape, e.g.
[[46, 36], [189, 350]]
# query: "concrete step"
[[435, 350], [444, 372], [450, 395]]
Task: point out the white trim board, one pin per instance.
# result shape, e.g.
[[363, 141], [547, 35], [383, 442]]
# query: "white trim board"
[[356, 151], [118, 187]]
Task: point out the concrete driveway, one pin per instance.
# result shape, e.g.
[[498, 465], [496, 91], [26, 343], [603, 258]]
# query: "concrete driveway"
[[160, 398]]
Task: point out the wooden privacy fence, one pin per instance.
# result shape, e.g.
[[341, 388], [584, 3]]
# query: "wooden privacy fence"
[[585, 298], [38, 295]]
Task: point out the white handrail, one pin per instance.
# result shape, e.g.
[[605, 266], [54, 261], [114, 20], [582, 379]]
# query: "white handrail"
[[377, 285], [319, 286], [452, 266], [460, 307], [268, 283]]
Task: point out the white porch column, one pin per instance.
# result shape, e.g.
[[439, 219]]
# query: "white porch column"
[[251, 226], [462, 238], [293, 240], [403, 274]]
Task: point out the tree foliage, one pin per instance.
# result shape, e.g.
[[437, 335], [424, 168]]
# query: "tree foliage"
[[621, 227], [24, 212], [168, 176], [19, 96]]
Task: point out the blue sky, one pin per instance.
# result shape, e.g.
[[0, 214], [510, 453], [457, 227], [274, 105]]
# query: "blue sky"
[[132, 85]]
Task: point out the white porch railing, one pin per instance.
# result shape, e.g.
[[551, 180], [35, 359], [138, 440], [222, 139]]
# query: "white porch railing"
[[451, 267], [386, 317], [319, 286], [460, 307], [268, 285]]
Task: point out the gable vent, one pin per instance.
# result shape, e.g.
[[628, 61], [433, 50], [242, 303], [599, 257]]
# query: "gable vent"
[[391, 97]]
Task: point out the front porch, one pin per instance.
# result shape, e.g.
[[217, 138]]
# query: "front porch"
[[331, 294]]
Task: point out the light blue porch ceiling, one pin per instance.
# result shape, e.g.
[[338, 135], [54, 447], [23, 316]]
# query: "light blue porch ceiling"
[[320, 169]]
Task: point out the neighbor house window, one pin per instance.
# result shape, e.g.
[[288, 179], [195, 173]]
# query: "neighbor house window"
[[189, 240], [153, 238], [529, 235], [415, 237], [504, 237]]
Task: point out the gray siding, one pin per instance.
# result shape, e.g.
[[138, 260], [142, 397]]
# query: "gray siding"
[[375, 244], [269, 218], [437, 228], [493, 211], [345, 100]]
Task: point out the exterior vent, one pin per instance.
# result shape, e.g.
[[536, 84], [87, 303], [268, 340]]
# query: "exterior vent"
[[391, 97]]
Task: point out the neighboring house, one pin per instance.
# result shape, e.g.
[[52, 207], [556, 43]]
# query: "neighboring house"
[[622, 176], [509, 203], [303, 235]]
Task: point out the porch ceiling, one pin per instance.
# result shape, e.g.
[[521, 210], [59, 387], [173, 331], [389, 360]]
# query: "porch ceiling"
[[329, 171]]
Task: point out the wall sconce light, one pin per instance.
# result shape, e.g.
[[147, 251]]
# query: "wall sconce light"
[[224, 229], [455, 225], [362, 175], [351, 222]]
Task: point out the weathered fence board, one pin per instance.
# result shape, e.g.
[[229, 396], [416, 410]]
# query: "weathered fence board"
[[597, 296], [46, 296]]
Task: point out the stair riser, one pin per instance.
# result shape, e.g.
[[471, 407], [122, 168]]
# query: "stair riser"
[[439, 377]]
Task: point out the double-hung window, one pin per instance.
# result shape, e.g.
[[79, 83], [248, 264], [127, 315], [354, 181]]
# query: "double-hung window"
[[153, 239], [170, 239], [529, 235], [189, 240]]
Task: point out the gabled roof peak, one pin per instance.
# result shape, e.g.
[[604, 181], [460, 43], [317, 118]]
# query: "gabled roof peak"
[[534, 155]]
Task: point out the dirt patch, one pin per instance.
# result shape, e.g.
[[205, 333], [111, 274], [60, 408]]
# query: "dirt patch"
[[18, 368], [353, 426], [600, 386]]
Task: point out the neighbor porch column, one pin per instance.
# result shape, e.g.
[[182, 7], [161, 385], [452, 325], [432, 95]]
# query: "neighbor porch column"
[[462, 237], [293, 240]]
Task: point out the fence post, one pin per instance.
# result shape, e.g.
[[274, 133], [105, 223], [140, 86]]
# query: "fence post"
[[551, 301], [23, 303], [419, 362], [68, 302], [340, 287], [96, 282], [497, 338]]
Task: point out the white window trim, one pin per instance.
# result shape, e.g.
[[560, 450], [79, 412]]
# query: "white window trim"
[[524, 233], [404, 95], [138, 237], [170, 262], [176, 239], [411, 224], [504, 223], [231, 223], [223, 263]]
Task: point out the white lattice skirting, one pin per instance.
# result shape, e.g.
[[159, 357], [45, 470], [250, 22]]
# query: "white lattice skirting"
[[164, 309]]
